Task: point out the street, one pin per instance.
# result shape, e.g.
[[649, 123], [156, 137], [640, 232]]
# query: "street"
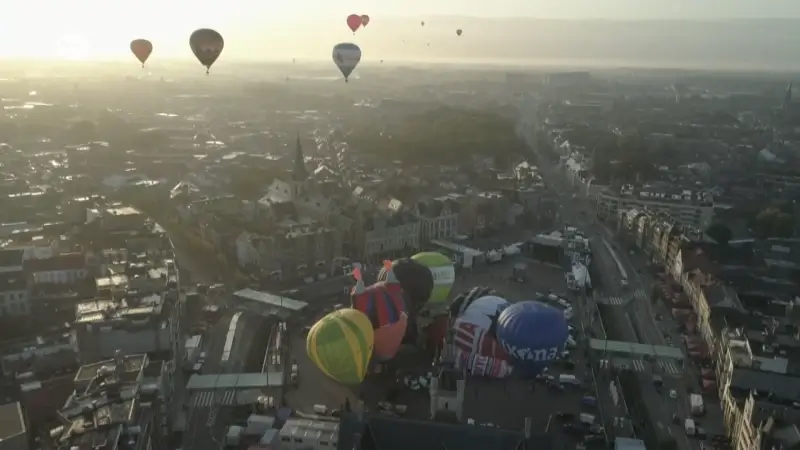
[[629, 308]]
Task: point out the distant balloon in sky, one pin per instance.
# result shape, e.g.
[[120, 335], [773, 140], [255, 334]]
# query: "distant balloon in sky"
[[354, 22], [141, 48], [207, 45], [459, 31], [364, 20], [346, 56], [422, 23]]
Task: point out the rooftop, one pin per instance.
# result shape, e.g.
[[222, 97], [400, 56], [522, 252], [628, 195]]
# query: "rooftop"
[[12, 422]]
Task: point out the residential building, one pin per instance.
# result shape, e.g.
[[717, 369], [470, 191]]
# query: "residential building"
[[687, 207], [63, 269], [385, 233], [438, 217], [13, 428], [132, 323], [14, 293], [118, 404]]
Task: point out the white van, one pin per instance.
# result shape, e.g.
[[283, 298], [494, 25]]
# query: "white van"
[[568, 313], [568, 378], [321, 409], [564, 303]]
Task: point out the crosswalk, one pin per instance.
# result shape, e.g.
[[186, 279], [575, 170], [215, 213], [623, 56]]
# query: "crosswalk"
[[669, 368], [613, 301], [617, 300], [205, 399]]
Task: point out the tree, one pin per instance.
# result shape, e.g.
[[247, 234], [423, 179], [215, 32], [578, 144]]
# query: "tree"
[[720, 233], [772, 222], [443, 135]]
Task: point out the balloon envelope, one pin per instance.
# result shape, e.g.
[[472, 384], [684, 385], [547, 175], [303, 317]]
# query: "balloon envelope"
[[415, 279], [346, 56], [141, 48], [533, 334], [477, 348], [341, 344], [459, 31], [381, 302], [364, 20], [444, 275], [422, 23], [466, 298], [206, 45], [389, 337], [353, 22]]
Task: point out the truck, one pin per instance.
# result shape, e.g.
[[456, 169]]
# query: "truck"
[[696, 404], [689, 427], [192, 349]]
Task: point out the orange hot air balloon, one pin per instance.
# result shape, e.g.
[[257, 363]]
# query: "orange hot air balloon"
[[207, 45], [141, 48], [353, 22], [364, 20]]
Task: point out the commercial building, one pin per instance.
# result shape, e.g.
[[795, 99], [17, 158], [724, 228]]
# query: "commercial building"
[[687, 207]]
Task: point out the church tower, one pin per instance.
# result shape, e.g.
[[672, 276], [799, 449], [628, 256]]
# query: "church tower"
[[300, 172]]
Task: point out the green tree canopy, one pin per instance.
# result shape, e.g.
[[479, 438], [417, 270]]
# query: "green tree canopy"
[[442, 135], [773, 222], [720, 233]]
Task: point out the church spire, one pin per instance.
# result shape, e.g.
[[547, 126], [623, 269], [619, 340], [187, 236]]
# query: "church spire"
[[300, 172]]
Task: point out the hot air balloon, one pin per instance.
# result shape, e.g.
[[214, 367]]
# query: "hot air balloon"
[[465, 299], [383, 304], [533, 334], [141, 48], [444, 275], [346, 56], [422, 23], [353, 22], [415, 279], [206, 45], [364, 20], [475, 334], [459, 31], [340, 344]]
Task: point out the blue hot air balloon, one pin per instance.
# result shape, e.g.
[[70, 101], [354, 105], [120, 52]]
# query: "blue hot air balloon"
[[533, 334], [346, 56]]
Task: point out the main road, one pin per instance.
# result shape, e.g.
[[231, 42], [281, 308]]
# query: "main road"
[[633, 320]]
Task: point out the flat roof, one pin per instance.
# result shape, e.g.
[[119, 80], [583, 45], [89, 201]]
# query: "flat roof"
[[632, 348], [271, 299], [784, 387], [235, 381], [12, 422]]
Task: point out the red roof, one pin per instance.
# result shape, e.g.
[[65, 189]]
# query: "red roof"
[[65, 261]]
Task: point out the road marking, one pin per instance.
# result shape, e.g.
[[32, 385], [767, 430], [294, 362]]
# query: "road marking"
[[669, 367], [615, 301], [205, 399], [639, 294]]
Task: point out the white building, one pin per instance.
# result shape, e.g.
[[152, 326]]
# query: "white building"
[[694, 208]]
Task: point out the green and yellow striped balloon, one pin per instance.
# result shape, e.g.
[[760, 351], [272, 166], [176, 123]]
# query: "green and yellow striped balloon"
[[340, 344]]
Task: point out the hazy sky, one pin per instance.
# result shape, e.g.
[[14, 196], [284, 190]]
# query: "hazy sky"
[[86, 29]]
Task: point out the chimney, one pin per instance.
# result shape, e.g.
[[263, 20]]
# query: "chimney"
[[528, 424]]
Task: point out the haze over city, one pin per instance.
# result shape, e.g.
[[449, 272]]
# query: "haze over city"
[[720, 34]]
